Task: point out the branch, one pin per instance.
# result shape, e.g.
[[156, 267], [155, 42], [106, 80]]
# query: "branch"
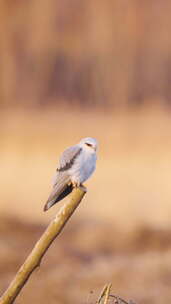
[[105, 294], [35, 257], [119, 300]]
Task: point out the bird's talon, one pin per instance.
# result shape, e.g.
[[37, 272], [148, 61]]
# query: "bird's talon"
[[75, 184]]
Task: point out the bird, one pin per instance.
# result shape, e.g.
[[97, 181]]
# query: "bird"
[[76, 165]]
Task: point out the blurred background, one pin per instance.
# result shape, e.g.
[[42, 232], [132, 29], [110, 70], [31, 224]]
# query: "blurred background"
[[71, 69]]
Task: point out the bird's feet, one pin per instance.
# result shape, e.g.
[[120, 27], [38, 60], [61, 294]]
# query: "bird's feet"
[[79, 185], [75, 184]]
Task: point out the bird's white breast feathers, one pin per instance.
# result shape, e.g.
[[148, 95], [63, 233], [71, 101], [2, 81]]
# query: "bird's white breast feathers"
[[83, 166]]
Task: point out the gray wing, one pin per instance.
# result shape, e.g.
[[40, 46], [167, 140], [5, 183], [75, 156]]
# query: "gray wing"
[[62, 183], [68, 157]]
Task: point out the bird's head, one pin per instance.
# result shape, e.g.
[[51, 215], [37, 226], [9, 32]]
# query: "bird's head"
[[89, 143]]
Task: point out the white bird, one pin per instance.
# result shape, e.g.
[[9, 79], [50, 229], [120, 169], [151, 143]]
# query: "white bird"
[[76, 165]]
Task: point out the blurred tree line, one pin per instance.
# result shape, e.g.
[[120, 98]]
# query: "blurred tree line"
[[100, 52]]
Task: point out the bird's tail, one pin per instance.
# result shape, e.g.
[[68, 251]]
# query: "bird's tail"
[[51, 201]]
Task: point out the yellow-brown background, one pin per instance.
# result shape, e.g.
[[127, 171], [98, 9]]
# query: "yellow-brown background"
[[71, 69]]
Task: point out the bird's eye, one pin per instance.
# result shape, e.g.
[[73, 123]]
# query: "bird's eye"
[[89, 145]]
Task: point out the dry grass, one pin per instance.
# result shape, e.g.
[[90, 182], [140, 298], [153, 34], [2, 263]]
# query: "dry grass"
[[121, 232], [84, 52]]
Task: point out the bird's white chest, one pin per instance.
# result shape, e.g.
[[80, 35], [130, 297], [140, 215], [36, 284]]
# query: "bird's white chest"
[[83, 167]]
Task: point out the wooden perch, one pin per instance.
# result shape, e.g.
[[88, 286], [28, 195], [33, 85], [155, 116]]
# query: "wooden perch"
[[35, 257]]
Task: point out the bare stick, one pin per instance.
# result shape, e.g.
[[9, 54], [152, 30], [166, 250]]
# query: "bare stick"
[[107, 293], [104, 296], [35, 257], [119, 300]]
